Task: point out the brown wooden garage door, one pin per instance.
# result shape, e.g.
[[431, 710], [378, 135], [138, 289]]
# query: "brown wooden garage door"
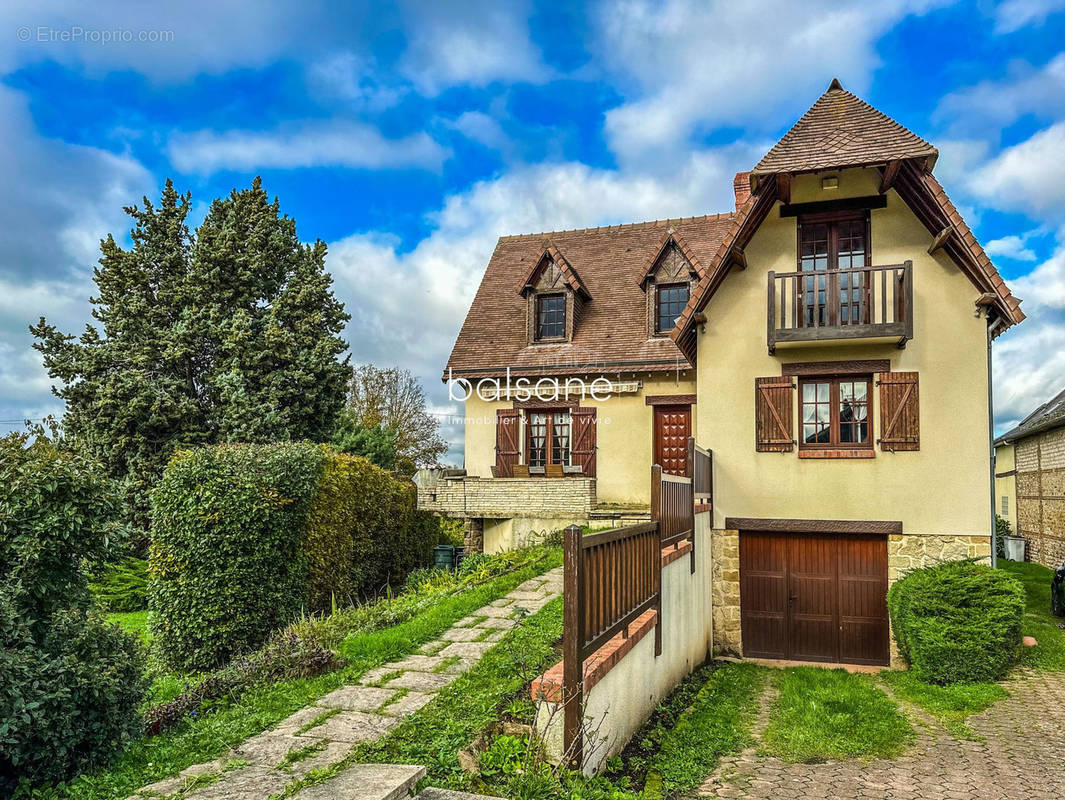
[[814, 596]]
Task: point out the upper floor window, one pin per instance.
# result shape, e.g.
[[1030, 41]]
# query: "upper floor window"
[[834, 412], [670, 300], [551, 316], [832, 243]]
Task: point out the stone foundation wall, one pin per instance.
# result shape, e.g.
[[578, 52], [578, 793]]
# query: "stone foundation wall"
[[1041, 496], [504, 498], [725, 591], [905, 552]]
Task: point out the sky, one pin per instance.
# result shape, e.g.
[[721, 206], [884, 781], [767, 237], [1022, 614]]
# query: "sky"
[[409, 136]]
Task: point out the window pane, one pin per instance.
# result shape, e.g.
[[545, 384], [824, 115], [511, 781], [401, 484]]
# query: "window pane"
[[671, 300], [816, 413], [551, 316], [853, 412], [537, 440], [560, 445]]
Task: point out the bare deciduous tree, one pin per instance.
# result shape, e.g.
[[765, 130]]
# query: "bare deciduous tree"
[[393, 398]]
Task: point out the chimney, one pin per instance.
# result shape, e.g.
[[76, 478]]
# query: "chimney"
[[741, 184]]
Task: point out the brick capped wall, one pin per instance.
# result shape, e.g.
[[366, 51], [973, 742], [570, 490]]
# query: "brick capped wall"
[[1041, 496], [506, 498]]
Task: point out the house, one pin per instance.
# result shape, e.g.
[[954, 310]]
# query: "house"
[[828, 339], [1030, 481]]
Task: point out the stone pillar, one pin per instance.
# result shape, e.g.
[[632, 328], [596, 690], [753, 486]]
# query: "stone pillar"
[[473, 536]]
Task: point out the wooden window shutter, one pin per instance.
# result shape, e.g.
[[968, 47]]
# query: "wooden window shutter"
[[773, 415], [900, 419], [507, 441], [583, 450]]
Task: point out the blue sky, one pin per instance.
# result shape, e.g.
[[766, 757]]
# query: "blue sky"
[[409, 136]]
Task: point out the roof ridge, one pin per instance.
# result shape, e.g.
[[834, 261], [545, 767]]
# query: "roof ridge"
[[619, 226]]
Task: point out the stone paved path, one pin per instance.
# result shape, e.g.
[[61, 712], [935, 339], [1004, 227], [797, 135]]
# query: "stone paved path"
[[1021, 757], [324, 733]]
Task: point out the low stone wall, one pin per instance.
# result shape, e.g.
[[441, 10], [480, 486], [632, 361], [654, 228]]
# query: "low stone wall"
[[906, 551], [506, 498], [624, 695]]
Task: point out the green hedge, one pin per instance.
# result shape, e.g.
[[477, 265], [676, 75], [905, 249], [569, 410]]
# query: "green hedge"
[[246, 537], [70, 684], [957, 621]]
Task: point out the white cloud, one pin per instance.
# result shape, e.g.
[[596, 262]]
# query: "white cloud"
[[355, 80], [1028, 177], [1014, 247], [468, 43], [338, 144], [482, 128], [991, 106], [407, 307], [1012, 15], [693, 66], [1029, 360]]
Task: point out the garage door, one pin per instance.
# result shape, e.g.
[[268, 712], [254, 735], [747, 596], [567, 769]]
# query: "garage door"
[[814, 597]]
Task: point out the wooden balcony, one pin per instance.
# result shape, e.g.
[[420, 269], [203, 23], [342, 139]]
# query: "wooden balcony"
[[873, 304]]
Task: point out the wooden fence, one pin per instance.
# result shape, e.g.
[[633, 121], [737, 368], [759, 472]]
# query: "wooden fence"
[[615, 576]]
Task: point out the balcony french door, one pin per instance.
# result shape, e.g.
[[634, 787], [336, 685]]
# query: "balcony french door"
[[831, 250]]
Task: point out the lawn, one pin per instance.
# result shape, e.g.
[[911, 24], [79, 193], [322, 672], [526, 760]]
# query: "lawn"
[[951, 705], [209, 735], [1038, 621], [828, 714], [135, 622]]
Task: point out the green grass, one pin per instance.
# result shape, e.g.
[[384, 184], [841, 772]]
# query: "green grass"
[[825, 714], [135, 622], [951, 705], [208, 736], [718, 722], [1038, 621], [434, 735]]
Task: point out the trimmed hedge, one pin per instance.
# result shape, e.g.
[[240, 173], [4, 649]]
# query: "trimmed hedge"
[[957, 622], [246, 537]]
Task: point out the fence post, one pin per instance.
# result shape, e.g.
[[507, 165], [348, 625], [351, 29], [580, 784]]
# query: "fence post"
[[691, 474], [656, 566], [572, 639]]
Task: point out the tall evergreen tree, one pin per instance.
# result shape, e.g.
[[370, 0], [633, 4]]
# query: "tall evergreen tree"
[[229, 335]]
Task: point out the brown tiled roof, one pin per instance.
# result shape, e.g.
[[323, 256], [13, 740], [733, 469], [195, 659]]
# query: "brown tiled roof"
[[1048, 416], [838, 131], [611, 332], [573, 280]]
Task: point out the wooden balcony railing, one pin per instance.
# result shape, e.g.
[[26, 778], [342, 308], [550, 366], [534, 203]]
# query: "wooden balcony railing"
[[701, 467], [862, 303]]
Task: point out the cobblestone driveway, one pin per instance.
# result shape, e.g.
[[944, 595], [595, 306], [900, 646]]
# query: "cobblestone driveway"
[[1022, 756]]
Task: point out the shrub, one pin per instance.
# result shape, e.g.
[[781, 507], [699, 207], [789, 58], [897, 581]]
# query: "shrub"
[[285, 657], [69, 684], [227, 563], [957, 621], [245, 537], [122, 586]]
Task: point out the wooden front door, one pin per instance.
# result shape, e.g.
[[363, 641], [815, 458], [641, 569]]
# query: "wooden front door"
[[673, 426], [814, 597]]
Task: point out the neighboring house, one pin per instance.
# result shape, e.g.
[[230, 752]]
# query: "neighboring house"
[[827, 340], [1030, 481]]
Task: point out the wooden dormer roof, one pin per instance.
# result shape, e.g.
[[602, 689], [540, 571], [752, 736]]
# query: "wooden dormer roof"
[[838, 131], [674, 238], [569, 274]]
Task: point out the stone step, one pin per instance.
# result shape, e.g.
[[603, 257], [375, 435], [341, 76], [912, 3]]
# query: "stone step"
[[433, 793], [368, 782]]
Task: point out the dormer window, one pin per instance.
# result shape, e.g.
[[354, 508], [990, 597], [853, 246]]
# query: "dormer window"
[[550, 316], [556, 296], [670, 300], [667, 281]]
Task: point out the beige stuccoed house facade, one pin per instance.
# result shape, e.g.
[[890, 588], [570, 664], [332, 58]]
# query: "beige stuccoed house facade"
[[828, 340]]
